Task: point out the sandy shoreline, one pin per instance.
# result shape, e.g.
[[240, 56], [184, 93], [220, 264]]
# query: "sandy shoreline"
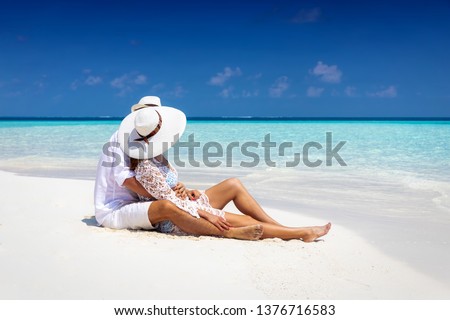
[[50, 248]]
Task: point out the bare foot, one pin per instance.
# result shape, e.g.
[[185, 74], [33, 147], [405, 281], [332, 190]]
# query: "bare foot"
[[317, 232], [245, 233]]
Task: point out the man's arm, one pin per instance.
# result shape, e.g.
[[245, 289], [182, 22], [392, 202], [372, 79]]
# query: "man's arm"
[[133, 185]]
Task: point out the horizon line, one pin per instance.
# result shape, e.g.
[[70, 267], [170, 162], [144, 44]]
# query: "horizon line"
[[241, 118]]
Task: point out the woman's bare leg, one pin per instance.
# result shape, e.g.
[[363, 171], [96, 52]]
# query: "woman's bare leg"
[[165, 210], [233, 190], [307, 234]]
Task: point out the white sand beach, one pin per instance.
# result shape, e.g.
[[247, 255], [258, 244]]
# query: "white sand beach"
[[51, 248]]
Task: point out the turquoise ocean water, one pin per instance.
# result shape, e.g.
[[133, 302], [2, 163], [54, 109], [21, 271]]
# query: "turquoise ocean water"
[[394, 189], [417, 147]]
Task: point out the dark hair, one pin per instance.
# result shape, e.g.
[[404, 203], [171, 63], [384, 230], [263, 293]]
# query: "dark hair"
[[133, 163]]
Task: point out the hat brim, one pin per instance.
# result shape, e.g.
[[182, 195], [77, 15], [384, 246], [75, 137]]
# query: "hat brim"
[[172, 127]]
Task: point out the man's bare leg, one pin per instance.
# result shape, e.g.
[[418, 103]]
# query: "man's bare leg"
[[233, 190], [165, 210]]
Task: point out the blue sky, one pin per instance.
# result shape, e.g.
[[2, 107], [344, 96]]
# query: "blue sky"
[[226, 58]]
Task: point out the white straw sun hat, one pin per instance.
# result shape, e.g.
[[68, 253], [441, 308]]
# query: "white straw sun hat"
[[149, 132], [147, 101]]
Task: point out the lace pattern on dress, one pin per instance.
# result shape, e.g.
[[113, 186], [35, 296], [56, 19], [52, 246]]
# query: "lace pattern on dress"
[[155, 178]]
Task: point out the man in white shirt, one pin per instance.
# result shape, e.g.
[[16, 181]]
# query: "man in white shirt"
[[117, 205], [116, 202]]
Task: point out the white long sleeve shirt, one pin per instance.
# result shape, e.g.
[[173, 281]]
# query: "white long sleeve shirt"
[[113, 169]]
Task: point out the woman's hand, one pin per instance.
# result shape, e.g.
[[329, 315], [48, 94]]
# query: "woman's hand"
[[193, 194], [180, 191], [217, 221]]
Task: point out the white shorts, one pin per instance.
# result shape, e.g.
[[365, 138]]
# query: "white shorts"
[[130, 216]]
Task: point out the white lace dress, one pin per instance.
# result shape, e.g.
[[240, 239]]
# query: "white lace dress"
[[159, 179]]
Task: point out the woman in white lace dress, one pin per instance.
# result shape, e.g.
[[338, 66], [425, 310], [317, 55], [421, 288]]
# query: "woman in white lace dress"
[[146, 134], [160, 179]]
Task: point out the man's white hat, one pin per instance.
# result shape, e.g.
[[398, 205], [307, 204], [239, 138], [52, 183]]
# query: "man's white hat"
[[149, 132], [147, 101]]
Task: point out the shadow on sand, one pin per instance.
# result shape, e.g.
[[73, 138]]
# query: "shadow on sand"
[[90, 221]]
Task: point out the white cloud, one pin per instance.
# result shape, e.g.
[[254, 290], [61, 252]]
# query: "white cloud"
[[140, 79], [350, 91], [314, 92], [327, 73], [126, 82], [390, 92], [75, 84], [279, 87], [128, 79], [162, 90], [307, 16], [222, 77], [93, 80], [226, 92], [119, 82], [87, 79]]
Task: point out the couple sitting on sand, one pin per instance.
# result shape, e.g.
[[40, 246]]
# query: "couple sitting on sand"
[[137, 188]]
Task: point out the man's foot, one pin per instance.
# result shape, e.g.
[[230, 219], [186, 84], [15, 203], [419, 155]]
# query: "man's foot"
[[245, 233], [317, 232]]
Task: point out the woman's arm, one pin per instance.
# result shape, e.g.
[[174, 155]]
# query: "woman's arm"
[[133, 185], [219, 222]]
